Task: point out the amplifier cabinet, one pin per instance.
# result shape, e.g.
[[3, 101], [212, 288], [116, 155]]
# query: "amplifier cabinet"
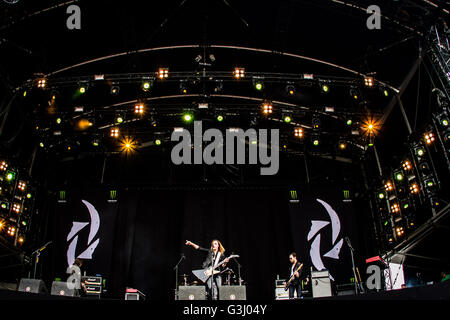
[[321, 284], [232, 293], [191, 293]]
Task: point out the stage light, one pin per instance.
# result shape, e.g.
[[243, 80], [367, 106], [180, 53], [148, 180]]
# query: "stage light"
[[84, 124], [183, 87], [395, 208], [10, 176], [11, 231], [368, 81], [29, 195], [430, 183], [315, 140], [239, 73], [16, 208], [128, 145], [188, 117], [298, 132], [22, 185], [3, 166], [20, 240], [146, 86], [406, 165], [139, 108], [399, 231], [82, 89], [267, 108], [258, 85], [58, 120], [42, 83], [388, 186], [444, 122], [115, 90], [218, 86], [316, 123], [398, 176], [287, 119], [419, 151], [158, 142], [163, 73], [386, 93], [119, 119], [115, 132], [429, 138], [349, 122], [325, 88], [219, 118], [290, 89], [95, 142], [342, 145], [41, 144], [381, 195], [414, 188]]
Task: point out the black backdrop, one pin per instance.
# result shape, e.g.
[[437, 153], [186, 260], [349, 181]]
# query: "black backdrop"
[[142, 236]]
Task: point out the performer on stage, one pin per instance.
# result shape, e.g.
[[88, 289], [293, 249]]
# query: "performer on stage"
[[216, 256], [295, 285]]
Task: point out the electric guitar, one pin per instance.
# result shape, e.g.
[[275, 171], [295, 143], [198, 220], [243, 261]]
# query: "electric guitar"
[[204, 274], [286, 286]]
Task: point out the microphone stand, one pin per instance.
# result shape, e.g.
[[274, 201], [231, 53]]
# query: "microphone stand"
[[239, 271], [176, 275], [353, 263], [38, 253]]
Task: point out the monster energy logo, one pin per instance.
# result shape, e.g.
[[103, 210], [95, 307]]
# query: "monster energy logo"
[[112, 196], [294, 197], [62, 196], [347, 195]]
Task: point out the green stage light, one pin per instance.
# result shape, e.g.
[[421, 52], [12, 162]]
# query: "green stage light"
[[82, 90], [325, 88], [259, 86], [188, 117], [158, 142], [399, 176], [220, 118], [316, 142], [381, 195], [10, 176], [287, 119], [349, 122], [119, 119], [29, 195]]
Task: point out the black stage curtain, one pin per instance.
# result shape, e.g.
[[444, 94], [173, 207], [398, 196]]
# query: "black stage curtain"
[[143, 235]]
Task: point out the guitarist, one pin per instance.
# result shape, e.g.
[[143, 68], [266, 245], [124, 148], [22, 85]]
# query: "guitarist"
[[216, 256], [295, 285]]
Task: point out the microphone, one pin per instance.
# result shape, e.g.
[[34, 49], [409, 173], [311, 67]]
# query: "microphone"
[[183, 256]]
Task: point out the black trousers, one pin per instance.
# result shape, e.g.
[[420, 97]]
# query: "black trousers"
[[295, 288]]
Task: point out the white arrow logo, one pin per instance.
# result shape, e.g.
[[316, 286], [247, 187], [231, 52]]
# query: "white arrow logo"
[[316, 226], [76, 228]]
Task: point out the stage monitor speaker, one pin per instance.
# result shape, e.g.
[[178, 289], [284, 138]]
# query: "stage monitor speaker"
[[32, 286], [191, 293], [61, 289], [232, 293], [321, 284]]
